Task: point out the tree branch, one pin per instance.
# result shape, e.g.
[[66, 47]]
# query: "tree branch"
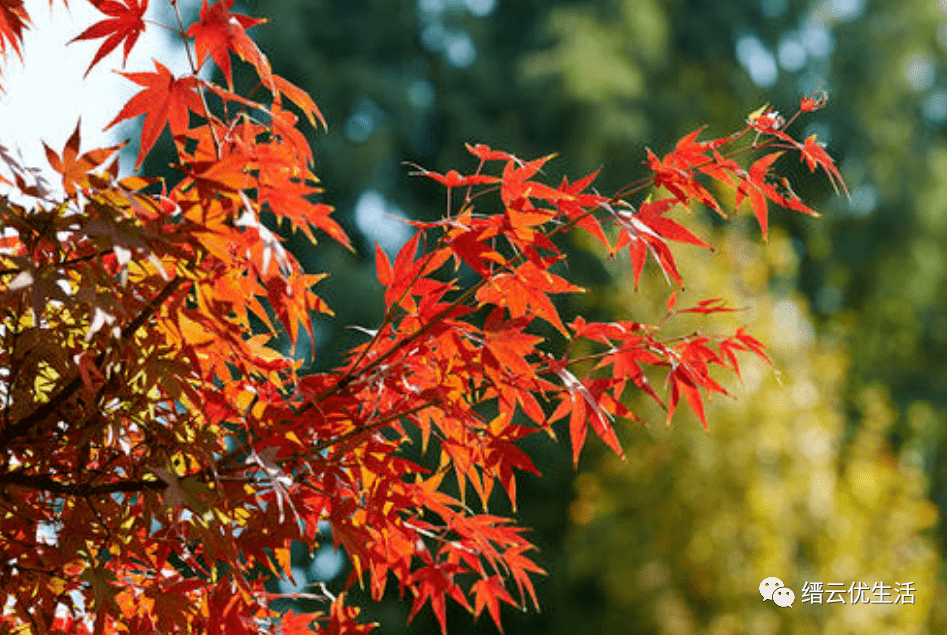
[[47, 484]]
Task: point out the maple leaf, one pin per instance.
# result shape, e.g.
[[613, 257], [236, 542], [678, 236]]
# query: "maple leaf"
[[759, 185], [74, 167], [682, 382], [469, 248], [228, 174], [342, 620], [13, 19], [164, 100], [690, 153], [652, 215], [581, 397], [485, 153], [292, 623], [487, 593], [289, 201], [284, 124], [673, 174], [219, 32], [576, 206], [433, 583], [740, 341], [752, 187], [301, 98], [525, 291], [752, 344], [516, 182], [711, 305], [815, 155], [519, 565], [645, 232], [454, 179], [690, 373], [127, 22], [506, 346]]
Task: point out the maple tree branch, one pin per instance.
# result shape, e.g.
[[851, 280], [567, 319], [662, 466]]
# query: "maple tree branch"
[[12, 431], [349, 376], [647, 181], [22, 606], [65, 263], [375, 425], [45, 483], [319, 447], [98, 516], [389, 312], [434, 321], [196, 71], [10, 339]]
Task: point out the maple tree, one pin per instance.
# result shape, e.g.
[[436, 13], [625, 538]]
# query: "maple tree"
[[158, 455]]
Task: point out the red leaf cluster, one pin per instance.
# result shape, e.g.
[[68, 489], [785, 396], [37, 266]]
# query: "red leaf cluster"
[[160, 448]]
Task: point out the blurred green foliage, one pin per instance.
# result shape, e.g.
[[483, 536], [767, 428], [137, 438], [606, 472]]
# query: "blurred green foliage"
[[676, 539], [821, 478]]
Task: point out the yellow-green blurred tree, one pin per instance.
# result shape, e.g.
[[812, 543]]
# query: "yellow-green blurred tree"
[[677, 539]]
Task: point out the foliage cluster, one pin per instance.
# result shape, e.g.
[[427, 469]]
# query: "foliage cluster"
[[158, 456]]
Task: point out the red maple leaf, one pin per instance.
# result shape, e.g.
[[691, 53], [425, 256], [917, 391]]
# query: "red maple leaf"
[[815, 155], [126, 23], [301, 98], [13, 18], [646, 232], [516, 182], [678, 180], [754, 188], [219, 32], [165, 99], [453, 178], [760, 184], [293, 623], [485, 153], [488, 592], [434, 583]]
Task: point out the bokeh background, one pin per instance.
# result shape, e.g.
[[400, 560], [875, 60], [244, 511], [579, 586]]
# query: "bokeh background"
[[832, 466]]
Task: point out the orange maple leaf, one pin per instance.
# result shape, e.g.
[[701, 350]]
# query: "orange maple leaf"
[[165, 99], [73, 167]]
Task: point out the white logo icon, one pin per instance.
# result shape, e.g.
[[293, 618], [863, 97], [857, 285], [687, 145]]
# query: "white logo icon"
[[783, 597], [773, 589], [769, 585]]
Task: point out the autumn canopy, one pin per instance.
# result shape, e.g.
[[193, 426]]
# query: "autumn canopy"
[[158, 455]]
